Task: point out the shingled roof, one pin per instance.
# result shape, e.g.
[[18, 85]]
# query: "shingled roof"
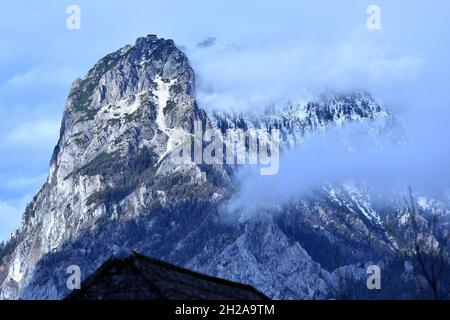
[[137, 277]]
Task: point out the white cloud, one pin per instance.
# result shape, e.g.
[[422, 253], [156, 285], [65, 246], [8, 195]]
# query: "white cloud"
[[362, 62], [338, 155], [254, 75]]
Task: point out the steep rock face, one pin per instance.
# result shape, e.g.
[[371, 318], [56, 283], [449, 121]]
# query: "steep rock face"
[[118, 127], [112, 182]]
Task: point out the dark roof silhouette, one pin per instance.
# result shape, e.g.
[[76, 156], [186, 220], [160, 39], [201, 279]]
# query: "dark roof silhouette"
[[138, 277]]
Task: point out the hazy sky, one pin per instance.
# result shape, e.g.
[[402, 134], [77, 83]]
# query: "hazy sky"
[[266, 52]]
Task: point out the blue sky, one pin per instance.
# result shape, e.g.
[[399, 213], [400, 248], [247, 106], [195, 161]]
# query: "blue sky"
[[265, 52]]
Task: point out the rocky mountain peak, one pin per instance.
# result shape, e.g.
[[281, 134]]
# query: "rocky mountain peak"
[[130, 99], [128, 71], [119, 124]]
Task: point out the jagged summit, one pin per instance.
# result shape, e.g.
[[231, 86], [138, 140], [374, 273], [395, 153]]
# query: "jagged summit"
[[133, 98]]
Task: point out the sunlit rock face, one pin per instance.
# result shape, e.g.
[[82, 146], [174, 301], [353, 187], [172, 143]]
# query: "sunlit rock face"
[[112, 183]]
